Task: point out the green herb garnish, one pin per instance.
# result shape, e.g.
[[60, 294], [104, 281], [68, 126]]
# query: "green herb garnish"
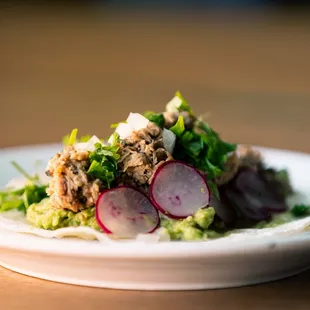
[[157, 118], [21, 199], [103, 162], [301, 210], [179, 104], [72, 138], [179, 127], [201, 146]]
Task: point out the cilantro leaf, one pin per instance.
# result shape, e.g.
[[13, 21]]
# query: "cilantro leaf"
[[33, 194], [103, 162], [14, 203], [22, 198], [301, 210], [157, 118]]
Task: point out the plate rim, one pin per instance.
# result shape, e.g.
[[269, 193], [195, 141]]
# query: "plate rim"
[[181, 249]]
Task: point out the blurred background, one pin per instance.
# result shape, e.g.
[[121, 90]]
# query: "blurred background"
[[86, 64]]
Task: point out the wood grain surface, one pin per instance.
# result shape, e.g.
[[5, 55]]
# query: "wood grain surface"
[[60, 70]]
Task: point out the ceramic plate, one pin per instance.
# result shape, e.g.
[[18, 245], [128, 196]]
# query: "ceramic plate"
[[157, 266]]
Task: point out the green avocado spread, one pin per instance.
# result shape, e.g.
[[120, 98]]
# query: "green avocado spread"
[[44, 215], [196, 227], [277, 219], [201, 226]]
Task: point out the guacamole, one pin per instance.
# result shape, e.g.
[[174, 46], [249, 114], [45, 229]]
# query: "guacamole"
[[201, 226], [277, 219], [196, 227], [44, 215]]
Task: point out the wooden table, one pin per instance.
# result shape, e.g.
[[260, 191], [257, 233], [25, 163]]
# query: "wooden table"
[[87, 70]]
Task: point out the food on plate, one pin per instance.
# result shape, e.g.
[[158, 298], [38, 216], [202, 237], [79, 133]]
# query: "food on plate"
[[126, 212], [168, 175]]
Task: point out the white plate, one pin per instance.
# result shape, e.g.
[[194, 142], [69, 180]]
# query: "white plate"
[[159, 266]]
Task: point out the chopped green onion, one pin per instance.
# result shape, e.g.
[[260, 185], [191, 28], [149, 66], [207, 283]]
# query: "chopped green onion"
[[179, 127], [73, 135], [22, 171]]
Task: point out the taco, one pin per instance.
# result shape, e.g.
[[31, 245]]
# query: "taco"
[[159, 177]]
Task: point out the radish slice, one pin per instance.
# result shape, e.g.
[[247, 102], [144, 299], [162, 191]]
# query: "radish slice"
[[179, 190], [125, 212]]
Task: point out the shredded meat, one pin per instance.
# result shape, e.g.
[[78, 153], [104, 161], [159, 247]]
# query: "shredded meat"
[[141, 154], [250, 157], [70, 187]]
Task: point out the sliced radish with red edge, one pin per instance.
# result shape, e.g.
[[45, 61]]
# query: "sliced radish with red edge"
[[179, 190], [125, 212]]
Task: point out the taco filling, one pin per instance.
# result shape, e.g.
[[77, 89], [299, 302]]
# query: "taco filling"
[[166, 171]]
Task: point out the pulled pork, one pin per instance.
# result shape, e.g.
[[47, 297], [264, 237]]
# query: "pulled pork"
[[250, 158], [141, 154], [70, 187]]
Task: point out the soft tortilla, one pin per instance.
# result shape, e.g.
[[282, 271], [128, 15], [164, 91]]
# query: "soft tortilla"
[[15, 221]]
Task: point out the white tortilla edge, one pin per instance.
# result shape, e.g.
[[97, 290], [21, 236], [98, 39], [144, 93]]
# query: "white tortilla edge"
[[15, 221]]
